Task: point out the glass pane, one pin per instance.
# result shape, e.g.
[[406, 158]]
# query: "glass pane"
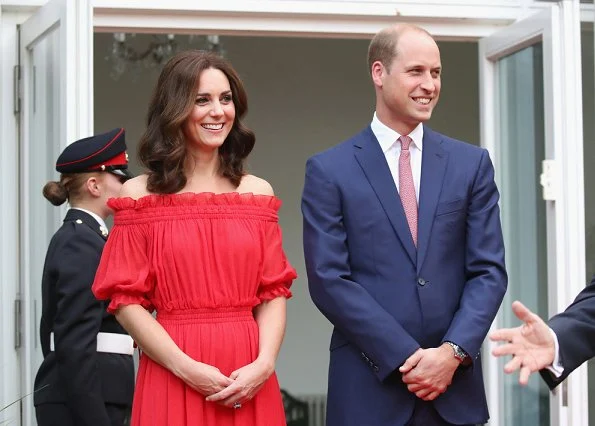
[[522, 149], [588, 77], [43, 102]]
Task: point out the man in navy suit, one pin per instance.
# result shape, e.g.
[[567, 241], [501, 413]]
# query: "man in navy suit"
[[554, 349], [404, 252]]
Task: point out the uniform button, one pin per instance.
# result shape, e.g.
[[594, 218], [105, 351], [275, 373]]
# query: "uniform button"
[[79, 221], [421, 281]]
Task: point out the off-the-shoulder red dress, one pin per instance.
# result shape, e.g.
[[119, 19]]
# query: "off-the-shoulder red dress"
[[202, 261]]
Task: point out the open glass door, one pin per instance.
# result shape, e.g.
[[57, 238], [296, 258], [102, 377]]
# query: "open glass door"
[[56, 54], [523, 126]]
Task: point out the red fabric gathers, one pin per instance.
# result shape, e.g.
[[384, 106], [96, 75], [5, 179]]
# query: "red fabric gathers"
[[202, 261]]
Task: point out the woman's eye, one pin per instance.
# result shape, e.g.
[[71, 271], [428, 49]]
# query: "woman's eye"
[[227, 99], [201, 101]]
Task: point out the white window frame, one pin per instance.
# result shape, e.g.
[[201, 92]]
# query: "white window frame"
[[447, 19]]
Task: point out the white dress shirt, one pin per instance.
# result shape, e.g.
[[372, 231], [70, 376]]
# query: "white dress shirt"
[[391, 146], [556, 368]]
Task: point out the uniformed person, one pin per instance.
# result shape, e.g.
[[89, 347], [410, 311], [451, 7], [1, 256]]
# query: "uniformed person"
[[87, 375]]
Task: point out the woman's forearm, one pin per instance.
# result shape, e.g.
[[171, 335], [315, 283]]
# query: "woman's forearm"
[[152, 338], [270, 317]]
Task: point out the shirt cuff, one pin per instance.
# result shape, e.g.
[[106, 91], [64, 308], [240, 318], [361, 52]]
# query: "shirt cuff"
[[556, 368]]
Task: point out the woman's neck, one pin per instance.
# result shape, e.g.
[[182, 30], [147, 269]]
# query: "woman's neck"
[[92, 207], [203, 174], [202, 164]]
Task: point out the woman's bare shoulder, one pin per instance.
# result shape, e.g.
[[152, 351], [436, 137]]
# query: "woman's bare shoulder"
[[256, 185], [135, 188]]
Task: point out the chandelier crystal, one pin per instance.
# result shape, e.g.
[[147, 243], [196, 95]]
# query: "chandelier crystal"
[[132, 54]]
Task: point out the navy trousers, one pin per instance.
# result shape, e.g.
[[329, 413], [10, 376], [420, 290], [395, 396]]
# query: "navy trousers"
[[424, 414], [59, 415]]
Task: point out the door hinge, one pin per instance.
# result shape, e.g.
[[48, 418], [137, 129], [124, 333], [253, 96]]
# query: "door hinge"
[[17, 323], [16, 75], [549, 179]]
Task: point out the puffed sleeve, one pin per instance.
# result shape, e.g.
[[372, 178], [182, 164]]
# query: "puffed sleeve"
[[124, 274], [277, 273]]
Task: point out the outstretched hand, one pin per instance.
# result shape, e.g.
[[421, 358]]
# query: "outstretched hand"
[[531, 344]]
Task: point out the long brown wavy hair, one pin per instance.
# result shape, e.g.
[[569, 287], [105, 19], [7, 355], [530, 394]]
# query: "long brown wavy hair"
[[162, 148]]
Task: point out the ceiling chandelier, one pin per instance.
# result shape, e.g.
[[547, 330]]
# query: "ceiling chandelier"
[[134, 54]]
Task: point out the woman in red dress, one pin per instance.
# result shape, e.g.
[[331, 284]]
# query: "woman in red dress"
[[197, 240]]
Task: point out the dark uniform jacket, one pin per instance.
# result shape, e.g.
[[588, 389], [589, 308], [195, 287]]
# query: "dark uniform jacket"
[[75, 374], [575, 329]]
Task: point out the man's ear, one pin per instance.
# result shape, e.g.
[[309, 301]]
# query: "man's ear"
[[93, 185], [378, 71]]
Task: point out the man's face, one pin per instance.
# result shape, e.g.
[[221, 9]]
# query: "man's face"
[[408, 92]]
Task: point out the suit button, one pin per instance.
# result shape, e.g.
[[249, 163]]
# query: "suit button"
[[421, 282]]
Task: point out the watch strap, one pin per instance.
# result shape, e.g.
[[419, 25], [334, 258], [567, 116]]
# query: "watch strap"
[[459, 353]]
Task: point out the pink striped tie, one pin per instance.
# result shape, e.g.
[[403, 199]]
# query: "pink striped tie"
[[407, 188]]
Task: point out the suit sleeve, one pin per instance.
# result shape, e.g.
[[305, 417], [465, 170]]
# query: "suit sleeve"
[[77, 322], [484, 264], [346, 304], [575, 329]]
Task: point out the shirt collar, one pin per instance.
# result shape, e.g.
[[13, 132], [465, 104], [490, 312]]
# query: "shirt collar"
[[94, 215], [387, 136]]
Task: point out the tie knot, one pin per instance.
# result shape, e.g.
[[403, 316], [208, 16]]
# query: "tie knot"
[[405, 142]]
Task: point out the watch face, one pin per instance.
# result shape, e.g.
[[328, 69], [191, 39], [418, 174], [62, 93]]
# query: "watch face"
[[458, 352]]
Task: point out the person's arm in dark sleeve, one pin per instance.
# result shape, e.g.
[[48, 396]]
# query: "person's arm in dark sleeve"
[[77, 322]]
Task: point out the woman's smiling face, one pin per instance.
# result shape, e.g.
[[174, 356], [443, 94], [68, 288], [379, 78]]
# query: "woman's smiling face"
[[213, 113]]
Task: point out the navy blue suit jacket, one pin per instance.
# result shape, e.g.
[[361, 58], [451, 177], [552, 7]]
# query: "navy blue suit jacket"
[[575, 329], [385, 298]]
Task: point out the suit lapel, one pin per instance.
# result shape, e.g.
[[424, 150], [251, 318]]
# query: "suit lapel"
[[74, 215], [373, 162], [434, 161]]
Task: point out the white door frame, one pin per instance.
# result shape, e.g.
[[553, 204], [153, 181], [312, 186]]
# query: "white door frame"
[[446, 19], [559, 31], [9, 257], [72, 20]]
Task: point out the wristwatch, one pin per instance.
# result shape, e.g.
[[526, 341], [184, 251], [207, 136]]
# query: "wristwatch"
[[459, 353]]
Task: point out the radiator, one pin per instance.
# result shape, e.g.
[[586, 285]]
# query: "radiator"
[[316, 408]]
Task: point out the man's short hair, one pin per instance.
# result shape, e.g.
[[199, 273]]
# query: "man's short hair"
[[383, 46]]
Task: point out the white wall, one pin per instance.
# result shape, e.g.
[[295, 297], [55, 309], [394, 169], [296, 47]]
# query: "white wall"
[[304, 95]]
